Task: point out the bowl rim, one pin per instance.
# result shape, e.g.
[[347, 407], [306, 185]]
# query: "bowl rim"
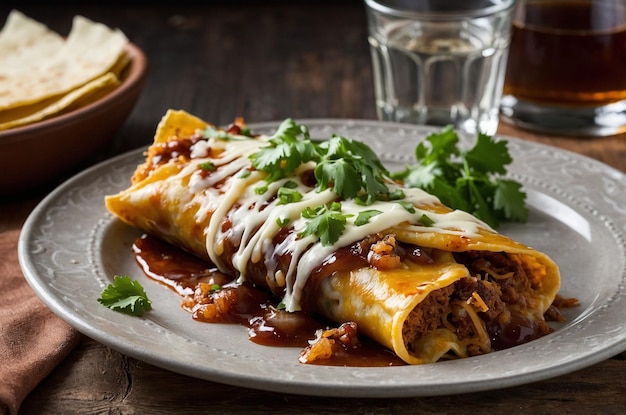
[[137, 70]]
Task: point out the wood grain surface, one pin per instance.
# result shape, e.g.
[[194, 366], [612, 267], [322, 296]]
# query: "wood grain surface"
[[265, 63]]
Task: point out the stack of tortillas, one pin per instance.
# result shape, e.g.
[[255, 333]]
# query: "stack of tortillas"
[[43, 74]]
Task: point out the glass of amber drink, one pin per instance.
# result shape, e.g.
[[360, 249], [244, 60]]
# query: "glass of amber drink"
[[566, 71]]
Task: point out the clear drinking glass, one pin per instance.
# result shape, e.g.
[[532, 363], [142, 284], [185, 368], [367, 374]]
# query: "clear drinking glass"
[[566, 72], [440, 62]]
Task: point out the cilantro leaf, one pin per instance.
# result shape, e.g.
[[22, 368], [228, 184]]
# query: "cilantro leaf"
[[364, 216], [281, 222], [215, 288], [285, 151], [207, 166], [509, 198], [126, 296], [325, 222], [479, 203], [220, 134], [442, 145], [426, 220], [352, 168], [488, 156], [449, 194], [339, 174], [421, 176], [468, 180], [408, 206], [287, 194]]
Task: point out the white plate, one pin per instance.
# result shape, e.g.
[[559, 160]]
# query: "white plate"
[[71, 247]]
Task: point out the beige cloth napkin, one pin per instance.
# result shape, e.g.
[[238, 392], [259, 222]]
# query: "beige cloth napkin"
[[33, 340]]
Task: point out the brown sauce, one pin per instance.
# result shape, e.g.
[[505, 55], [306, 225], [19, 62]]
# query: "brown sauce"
[[259, 310], [255, 308], [181, 147], [173, 149], [520, 330], [173, 267]]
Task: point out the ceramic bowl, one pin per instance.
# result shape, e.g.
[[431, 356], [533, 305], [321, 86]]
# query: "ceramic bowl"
[[36, 154]]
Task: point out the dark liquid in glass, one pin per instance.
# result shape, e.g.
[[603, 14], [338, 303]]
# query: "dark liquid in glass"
[[568, 53]]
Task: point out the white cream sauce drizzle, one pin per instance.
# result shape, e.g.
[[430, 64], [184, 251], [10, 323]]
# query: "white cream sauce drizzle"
[[255, 217]]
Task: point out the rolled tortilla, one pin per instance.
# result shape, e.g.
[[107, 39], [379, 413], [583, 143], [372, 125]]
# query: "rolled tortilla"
[[451, 288]]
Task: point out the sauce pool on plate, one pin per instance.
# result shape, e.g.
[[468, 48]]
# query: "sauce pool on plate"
[[193, 278]]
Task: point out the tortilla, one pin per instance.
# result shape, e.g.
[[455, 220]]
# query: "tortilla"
[[38, 68], [24, 43], [28, 114], [453, 287]]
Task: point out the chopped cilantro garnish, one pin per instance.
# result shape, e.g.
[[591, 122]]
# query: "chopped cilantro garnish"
[[288, 195], [282, 222], [208, 166], [261, 189], [215, 288], [290, 184], [126, 296], [286, 151], [325, 222], [426, 220], [467, 180], [218, 133], [350, 168], [397, 194], [364, 216], [408, 206]]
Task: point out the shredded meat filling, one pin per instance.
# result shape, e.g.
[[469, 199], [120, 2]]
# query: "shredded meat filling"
[[484, 310], [498, 285], [427, 315]]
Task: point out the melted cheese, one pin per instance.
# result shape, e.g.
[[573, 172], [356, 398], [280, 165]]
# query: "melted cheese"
[[188, 206], [255, 217]]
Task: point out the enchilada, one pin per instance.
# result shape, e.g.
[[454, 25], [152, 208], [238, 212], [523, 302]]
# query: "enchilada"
[[421, 279]]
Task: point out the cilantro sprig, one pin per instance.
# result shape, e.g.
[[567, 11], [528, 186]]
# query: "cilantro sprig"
[[287, 149], [126, 296], [470, 180], [350, 168], [326, 222]]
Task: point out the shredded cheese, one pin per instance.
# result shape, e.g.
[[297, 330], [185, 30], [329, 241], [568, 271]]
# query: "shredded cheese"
[[477, 301]]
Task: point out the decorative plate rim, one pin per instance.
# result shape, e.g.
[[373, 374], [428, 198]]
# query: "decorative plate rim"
[[67, 242]]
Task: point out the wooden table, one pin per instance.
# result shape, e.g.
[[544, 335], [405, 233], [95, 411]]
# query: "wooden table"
[[267, 63]]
